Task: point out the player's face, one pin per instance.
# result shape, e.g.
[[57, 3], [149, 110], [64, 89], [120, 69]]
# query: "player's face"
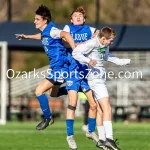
[[40, 23], [77, 18], [106, 42]]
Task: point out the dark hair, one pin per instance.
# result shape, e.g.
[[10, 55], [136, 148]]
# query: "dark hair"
[[44, 11], [79, 9], [107, 32]]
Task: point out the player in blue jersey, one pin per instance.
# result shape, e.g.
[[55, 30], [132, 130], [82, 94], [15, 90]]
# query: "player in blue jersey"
[[80, 33], [51, 38]]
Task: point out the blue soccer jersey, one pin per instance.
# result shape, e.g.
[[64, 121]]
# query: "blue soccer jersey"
[[55, 51], [80, 33]]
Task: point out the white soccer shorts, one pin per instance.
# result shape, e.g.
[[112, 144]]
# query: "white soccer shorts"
[[99, 88]]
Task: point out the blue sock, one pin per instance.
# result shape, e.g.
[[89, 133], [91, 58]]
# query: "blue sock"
[[43, 100], [91, 124], [70, 128]]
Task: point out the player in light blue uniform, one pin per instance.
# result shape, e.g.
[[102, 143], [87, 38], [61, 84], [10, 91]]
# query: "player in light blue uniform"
[[52, 42]]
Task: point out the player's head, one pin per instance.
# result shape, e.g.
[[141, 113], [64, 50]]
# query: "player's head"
[[78, 16], [42, 17], [106, 35]]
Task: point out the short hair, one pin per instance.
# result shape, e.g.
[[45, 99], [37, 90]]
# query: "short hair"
[[44, 11], [79, 9], [107, 32]]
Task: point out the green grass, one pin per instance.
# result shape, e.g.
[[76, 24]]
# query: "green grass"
[[23, 136]]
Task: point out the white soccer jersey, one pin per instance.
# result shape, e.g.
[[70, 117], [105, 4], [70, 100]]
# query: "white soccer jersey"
[[94, 50]]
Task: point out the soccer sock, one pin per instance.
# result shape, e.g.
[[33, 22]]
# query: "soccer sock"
[[108, 129], [91, 124], [101, 133], [70, 128], [43, 100]]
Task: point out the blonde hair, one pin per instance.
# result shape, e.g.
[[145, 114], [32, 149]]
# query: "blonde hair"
[[107, 32], [79, 9]]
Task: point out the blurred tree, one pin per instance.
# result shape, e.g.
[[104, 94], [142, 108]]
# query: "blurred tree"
[[35, 60]]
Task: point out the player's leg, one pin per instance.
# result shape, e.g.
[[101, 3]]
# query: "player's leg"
[[72, 85], [107, 122], [100, 128], [103, 99], [92, 111], [86, 107], [99, 91], [53, 92], [43, 100]]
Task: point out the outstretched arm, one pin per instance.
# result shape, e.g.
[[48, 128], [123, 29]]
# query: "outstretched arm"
[[111, 58], [34, 36], [118, 61]]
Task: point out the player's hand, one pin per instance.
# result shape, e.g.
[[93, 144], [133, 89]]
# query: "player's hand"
[[92, 63], [21, 36]]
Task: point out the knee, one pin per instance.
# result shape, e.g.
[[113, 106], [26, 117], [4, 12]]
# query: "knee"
[[38, 92], [93, 106]]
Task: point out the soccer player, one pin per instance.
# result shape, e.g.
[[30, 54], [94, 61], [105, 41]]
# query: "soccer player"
[[80, 33], [51, 38], [92, 53]]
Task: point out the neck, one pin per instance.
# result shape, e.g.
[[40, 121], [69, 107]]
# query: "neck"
[[43, 27]]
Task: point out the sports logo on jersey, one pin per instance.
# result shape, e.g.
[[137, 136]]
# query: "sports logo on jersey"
[[45, 41], [101, 52], [80, 37], [69, 83]]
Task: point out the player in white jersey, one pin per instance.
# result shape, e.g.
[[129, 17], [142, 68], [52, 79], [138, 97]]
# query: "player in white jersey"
[[92, 53]]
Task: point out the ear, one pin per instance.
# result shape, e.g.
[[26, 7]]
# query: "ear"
[[84, 20], [45, 21], [103, 39], [71, 20]]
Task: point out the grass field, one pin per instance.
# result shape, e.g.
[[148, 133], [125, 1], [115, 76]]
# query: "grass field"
[[23, 136]]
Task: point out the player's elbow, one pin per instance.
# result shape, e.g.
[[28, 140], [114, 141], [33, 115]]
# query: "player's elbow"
[[74, 54]]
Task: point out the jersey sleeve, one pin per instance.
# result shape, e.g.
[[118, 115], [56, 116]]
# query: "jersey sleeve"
[[92, 30], [113, 59], [82, 49], [55, 33], [66, 28]]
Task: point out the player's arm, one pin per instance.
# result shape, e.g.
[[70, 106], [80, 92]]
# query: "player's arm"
[[118, 61], [82, 49], [68, 38], [111, 58], [66, 44], [34, 36], [66, 29], [59, 34]]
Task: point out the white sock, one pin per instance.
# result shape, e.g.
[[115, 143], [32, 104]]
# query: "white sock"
[[108, 129], [101, 133]]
